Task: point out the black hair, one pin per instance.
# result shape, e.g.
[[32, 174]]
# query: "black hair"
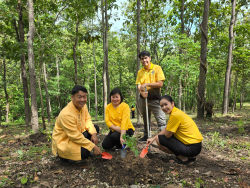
[[76, 89], [115, 91], [168, 98], [132, 106], [144, 53]]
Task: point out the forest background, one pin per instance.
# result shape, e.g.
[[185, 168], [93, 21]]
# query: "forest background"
[[49, 46]]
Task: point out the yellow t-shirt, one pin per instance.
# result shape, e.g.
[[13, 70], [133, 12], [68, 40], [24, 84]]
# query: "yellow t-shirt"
[[119, 116], [133, 109], [183, 127], [154, 74]]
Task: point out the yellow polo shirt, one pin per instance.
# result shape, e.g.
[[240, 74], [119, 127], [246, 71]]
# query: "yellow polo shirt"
[[154, 74], [119, 116], [67, 138], [183, 127]]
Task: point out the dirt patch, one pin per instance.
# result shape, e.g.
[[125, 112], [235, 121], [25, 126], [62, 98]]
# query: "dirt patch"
[[38, 138]]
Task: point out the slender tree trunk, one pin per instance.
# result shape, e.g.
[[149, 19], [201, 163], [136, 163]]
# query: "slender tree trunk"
[[96, 109], [58, 84], [106, 49], [235, 91], [32, 74], [166, 91], [41, 96], [139, 119], [229, 60], [171, 89], [180, 52], [203, 62], [74, 50], [104, 65], [23, 66], [5, 91], [47, 93]]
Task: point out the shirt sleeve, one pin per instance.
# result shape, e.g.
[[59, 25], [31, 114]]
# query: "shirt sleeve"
[[125, 118], [160, 75], [107, 117], [173, 124], [69, 126], [88, 122]]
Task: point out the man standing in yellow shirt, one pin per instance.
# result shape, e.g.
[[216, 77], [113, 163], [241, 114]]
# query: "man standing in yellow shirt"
[[151, 77], [74, 134]]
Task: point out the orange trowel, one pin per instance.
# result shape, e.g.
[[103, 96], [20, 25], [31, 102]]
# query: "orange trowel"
[[144, 152], [106, 155]]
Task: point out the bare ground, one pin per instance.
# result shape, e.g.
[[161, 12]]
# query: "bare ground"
[[26, 160]]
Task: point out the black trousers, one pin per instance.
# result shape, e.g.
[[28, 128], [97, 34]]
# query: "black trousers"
[[84, 152], [179, 148], [133, 114], [113, 139]]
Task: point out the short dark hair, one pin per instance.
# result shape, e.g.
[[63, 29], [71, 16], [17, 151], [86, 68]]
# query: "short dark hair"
[[115, 91], [144, 53], [76, 89], [168, 98]]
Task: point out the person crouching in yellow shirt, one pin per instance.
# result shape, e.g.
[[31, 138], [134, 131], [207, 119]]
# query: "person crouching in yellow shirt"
[[181, 136], [117, 118], [74, 134]]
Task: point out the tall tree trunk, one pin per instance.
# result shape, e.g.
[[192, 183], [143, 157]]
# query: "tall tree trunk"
[[180, 52], [139, 119], [229, 60], [58, 84], [203, 62], [104, 65], [235, 91], [32, 74], [41, 96], [23, 66], [5, 91], [96, 109], [106, 49], [47, 93], [74, 50]]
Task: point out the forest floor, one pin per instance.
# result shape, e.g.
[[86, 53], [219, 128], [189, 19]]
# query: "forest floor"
[[26, 159]]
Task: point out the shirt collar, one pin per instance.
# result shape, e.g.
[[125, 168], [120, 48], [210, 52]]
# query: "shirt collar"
[[174, 109], [151, 66], [74, 108]]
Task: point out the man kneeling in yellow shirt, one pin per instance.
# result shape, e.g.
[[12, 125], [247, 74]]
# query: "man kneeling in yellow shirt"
[[74, 134]]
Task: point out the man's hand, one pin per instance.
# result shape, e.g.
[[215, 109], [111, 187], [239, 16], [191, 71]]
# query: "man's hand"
[[94, 138], [97, 151], [143, 86], [144, 94]]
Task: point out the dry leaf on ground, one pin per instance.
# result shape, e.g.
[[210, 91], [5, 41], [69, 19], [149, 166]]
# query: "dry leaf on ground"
[[29, 162]]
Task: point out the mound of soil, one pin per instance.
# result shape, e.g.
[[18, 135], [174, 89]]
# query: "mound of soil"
[[131, 170], [38, 138]]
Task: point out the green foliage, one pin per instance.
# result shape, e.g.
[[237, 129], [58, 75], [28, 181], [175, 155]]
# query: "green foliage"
[[20, 154], [131, 143], [240, 125]]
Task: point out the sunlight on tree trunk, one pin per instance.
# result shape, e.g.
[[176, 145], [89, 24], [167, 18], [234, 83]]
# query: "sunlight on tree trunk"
[[47, 92], [58, 83], [32, 74]]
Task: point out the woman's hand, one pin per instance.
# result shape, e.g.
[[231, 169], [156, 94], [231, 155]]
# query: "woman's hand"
[[150, 141], [122, 141]]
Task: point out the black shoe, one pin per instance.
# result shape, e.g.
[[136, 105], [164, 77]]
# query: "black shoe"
[[192, 159], [66, 161], [179, 161], [143, 139]]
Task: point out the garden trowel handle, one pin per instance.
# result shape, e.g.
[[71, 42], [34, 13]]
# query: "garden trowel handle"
[[148, 129]]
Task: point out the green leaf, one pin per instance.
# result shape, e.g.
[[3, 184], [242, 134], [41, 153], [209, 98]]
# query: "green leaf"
[[24, 180]]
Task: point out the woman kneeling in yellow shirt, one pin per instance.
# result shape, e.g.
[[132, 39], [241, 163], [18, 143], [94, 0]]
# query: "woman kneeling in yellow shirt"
[[117, 118], [181, 136]]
